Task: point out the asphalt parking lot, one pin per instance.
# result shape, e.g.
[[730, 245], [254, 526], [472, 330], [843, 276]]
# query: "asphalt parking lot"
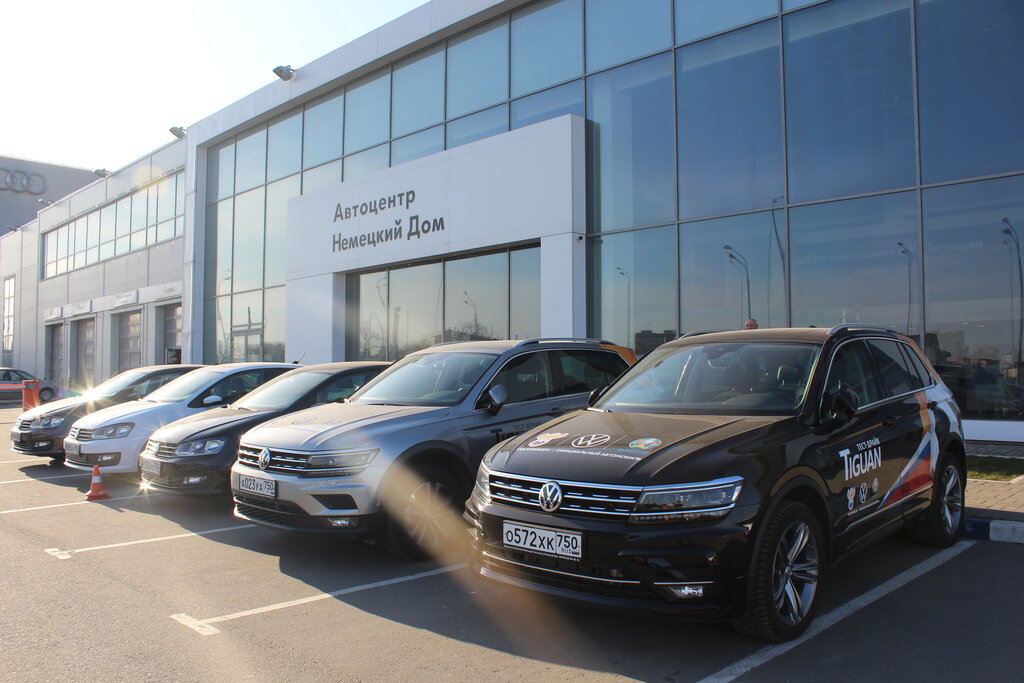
[[152, 587]]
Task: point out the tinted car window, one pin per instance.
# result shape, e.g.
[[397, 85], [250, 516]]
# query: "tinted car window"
[[343, 386], [852, 366], [584, 371], [895, 376], [526, 378], [917, 365]]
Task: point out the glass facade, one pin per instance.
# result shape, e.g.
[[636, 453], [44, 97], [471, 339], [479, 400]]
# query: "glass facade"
[[8, 321], [857, 158], [145, 217]]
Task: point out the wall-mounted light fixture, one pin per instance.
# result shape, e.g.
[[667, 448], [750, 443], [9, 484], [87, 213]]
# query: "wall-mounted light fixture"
[[45, 202], [285, 73], [178, 131], [102, 172]]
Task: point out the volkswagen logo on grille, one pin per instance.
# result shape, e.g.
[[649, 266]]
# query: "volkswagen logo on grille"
[[550, 496], [591, 440], [264, 460]]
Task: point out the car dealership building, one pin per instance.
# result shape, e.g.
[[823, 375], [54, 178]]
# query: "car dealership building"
[[624, 169]]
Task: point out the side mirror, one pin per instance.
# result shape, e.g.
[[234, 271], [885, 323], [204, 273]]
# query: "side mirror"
[[212, 400], [596, 394], [842, 405], [496, 398]]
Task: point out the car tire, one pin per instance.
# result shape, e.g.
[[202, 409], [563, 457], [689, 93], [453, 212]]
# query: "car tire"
[[942, 523], [422, 514], [785, 578], [45, 395]]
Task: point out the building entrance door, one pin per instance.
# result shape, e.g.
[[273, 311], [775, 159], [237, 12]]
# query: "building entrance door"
[[85, 355]]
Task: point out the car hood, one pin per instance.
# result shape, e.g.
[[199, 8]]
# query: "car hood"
[[340, 425], [74, 404], [633, 449], [208, 424], [150, 413]]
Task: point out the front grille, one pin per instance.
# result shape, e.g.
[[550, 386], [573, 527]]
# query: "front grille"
[[578, 498], [280, 461], [161, 449], [24, 424], [590, 578], [81, 434], [275, 512], [94, 459]]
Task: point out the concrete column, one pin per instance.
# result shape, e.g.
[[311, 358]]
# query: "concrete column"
[[315, 319], [563, 295]]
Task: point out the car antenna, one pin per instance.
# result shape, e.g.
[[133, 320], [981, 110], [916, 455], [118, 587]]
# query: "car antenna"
[[299, 359]]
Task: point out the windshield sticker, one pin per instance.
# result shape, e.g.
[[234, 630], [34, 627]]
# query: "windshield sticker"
[[542, 439], [645, 444]]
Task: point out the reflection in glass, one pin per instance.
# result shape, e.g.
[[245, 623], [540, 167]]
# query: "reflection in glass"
[[730, 122], [322, 176], [247, 268], [477, 126], [631, 172], [273, 325], [975, 309], [619, 30], [284, 148], [417, 92], [476, 298], [322, 131], [251, 161], [478, 68], [731, 269], [415, 308], [219, 218], [221, 173], [849, 98], [165, 199], [372, 335], [857, 261], [971, 87], [247, 327], [368, 104], [565, 99], [217, 319], [368, 161], [547, 44], [631, 297], [524, 296], [698, 18], [418, 145], [276, 250]]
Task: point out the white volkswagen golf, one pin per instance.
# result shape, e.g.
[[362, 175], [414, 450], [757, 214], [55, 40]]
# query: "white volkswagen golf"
[[113, 437]]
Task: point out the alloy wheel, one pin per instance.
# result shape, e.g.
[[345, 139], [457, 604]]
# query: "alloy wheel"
[[795, 573], [952, 499]]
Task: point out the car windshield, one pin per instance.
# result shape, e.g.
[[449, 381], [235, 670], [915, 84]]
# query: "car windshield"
[[426, 379], [281, 392], [116, 384], [185, 386], [761, 378]]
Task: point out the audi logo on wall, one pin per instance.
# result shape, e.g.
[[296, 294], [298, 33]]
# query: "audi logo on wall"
[[21, 181]]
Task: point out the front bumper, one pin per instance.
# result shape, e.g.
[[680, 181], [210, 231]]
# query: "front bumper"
[[116, 456], [186, 475], [624, 567], [308, 505], [41, 442]]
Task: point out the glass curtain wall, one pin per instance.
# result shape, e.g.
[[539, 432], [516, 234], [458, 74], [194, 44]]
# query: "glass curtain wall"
[[819, 140]]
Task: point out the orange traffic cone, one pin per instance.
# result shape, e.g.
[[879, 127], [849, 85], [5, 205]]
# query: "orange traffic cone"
[[96, 490]]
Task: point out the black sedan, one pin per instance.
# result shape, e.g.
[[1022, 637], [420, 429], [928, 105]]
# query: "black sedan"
[[41, 430], [194, 455]]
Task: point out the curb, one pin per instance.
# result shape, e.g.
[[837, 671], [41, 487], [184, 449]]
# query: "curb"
[[994, 530]]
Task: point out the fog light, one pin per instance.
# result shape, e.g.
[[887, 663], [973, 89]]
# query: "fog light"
[[43, 444], [106, 457], [343, 522], [687, 591], [194, 480]]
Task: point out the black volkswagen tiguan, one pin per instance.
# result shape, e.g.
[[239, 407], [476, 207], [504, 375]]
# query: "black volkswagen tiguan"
[[723, 474]]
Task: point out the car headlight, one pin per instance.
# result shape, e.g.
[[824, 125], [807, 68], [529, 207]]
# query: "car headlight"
[[700, 501], [482, 489], [339, 463], [115, 431], [202, 447], [47, 421]]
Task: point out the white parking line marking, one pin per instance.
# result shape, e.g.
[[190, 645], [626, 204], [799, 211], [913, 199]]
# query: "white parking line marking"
[[769, 653], [203, 628], [81, 502], [63, 476], [67, 554]]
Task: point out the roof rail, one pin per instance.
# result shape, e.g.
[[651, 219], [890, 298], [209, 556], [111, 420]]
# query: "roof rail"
[[857, 326], [562, 340], [698, 332]]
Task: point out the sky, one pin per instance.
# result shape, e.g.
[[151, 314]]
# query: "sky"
[[98, 83]]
